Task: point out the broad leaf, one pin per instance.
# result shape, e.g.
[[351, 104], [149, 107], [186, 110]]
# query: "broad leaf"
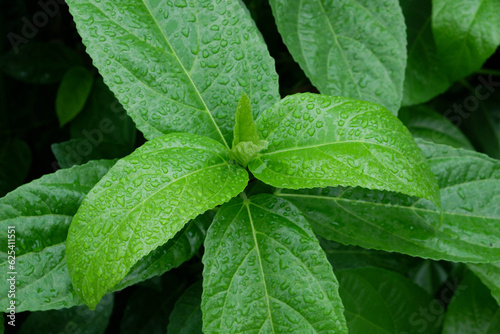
[[425, 77], [347, 47], [431, 275], [425, 123], [379, 301], [72, 94], [266, 273], [190, 60], [41, 212], [15, 162], [392, 222], [490, 275], [318, 141], [186, 316], [143, 201], [472, 310], [76, 319], [467, 33]]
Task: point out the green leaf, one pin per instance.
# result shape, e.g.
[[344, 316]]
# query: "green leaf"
[[103, 130], [472, 310], [489, 273], [72, 94], [467, 33], [318, 141], [182, 247], [380, 301], [186, 315], [424, 77], [76, 319], [143, 201], [393, 222], [15, 162], [347, 257], [425, 123], [148, 309], [41, 212], [39, 63], [431, 275], [346, 47], [264, 272], [190, 60]]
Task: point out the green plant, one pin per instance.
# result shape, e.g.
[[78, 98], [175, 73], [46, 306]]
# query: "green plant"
[[274, 188]]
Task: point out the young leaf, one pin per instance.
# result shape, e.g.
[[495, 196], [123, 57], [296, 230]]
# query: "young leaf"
[[472, 310], [425, 123], [76, 319], [263, 261], [424, 77], [393, 222], [41, 212], [186, 316], [489, 273], [143, 201], [318, 141], [189, 60], [348, 48], [466, 33], [381, 301], [73, 92]]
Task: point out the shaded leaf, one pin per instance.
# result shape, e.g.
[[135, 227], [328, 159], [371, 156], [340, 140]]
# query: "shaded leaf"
[[346, 47], [77, 318], [318, 141], [186, 315], [190, 60], [15, 162], [467, 33], [473, 310], [425, 123], [41, 212], [381, 301], [263, 261], [392, 222], [145, 199], [489, 273], [72, 94]]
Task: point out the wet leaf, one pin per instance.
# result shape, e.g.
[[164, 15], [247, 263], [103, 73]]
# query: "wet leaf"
[[264, 272], [347, 47], [179, 66], [318, 141], [469, 183], [143, 201], [41, 212]]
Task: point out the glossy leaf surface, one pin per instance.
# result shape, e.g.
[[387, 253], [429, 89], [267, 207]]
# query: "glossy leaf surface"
[[425, 123], [77, 318], [489, 273], [179, 66], [473, 310], [263, 261], [143, 201], [41, 212], [425, 76], [346, 47], [392, 222], [467, 33], [318, 141], [379, 301], [186, 316]]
